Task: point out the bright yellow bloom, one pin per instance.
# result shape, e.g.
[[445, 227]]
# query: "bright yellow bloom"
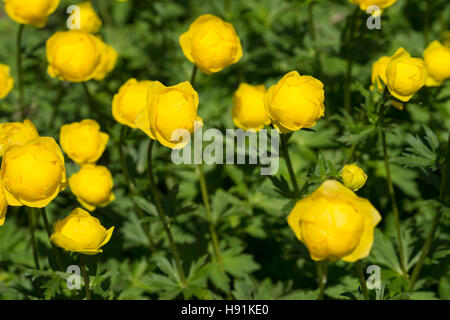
[[437, 62], [92, 186], [34, 12], [334, 223], [130, 101], [6, 81], [169, 110], [34, 173], [379, 72], [211, 44], [108, 63], [248, 110], [16, 134], [83, 142], [80, 232], [89, 19], [77, 56], [405, 75], [3, 206], [295, 102], [364, 4], [353, 176]]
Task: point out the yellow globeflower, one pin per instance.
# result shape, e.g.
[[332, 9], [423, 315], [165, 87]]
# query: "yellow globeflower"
[[248, 110], [169, 111], [379, 72], [83, 142], [92, 186], [382, 4], [211, 44], [34, 173], [130, 101], [77, 56], [80, 232], [89, 19], [334, 223], [405, 75], [295, 102], [3, 206], [107, 64], [353, 176], [437, 62], [6, 81], [16, 134], [34, 12]]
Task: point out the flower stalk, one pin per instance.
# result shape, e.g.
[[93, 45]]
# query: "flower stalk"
[[362, 280], [30, 214], [85, 276], [285, 154], [19, 70]]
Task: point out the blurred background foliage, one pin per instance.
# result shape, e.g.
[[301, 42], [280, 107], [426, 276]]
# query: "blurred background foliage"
[[262, 258]]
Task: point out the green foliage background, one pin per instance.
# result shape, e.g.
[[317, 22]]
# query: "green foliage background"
[[262, 258]]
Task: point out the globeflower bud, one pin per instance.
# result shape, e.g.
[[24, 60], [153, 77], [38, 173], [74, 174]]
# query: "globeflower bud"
[[169, 110], [34, 173], [16, 134], [334, 223], [405, 75], [82, 141], [6, 81], [248, 110], [211, 44], [3, 206], [92, 186], [295, 102], [80, 232], [353, 176], [130, 101], [437, 62], [34, 12], [379, 73], [364, 4], [76, 56], [89, 19]]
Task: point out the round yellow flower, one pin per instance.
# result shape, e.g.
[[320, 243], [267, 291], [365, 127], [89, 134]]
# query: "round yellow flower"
[[83, 142], [3, 206], [34, 12], [92, 186], [130, 101], [169, 110], [405, 75], [80, 232], [248, 110], [108, 62], [76, 56], [211, 44], [379, 72], [16, 134], [364, 4], [295, 102], [334, 223], [353, 176], [6, 81], [89, 19], [437, 62], [34, 173]]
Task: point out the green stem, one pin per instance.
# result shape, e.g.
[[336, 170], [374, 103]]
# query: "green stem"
[[435, 223], [426, 23], [322, 271], [312, 30], [49, 233], [348, 74], [362, 280], [391, 188], [350, 153], [285, 154], [85, 277], [132, 188], [19, 71], [157, 197], [212, 228], [96, 109], [30, 215]]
